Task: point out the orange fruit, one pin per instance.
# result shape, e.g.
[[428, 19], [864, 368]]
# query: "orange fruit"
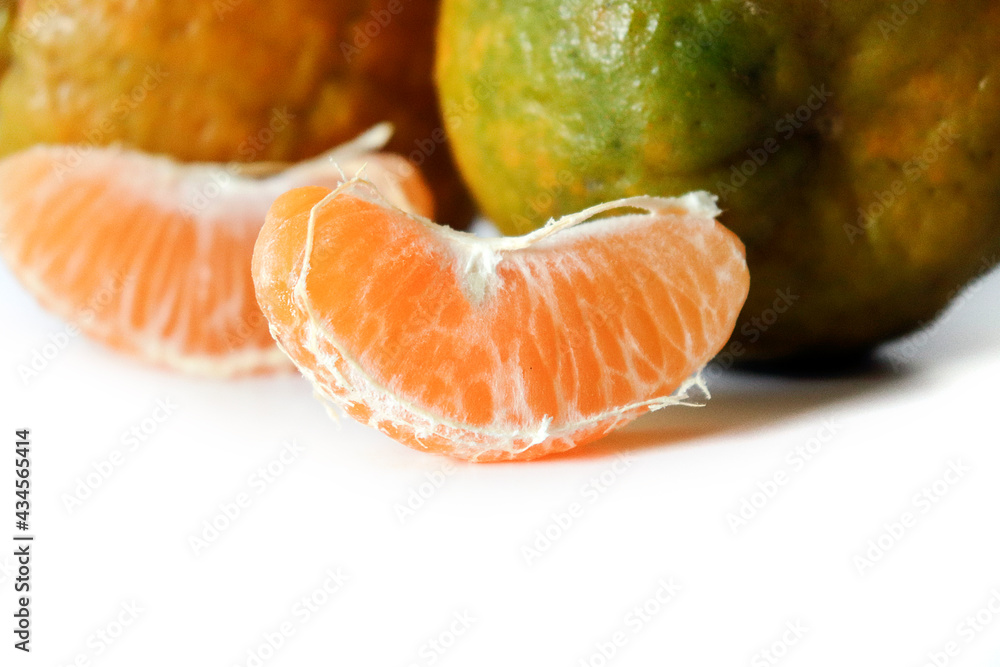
[[7, 13], [152, 257], [853, 143], [494, 349], [223, 80]]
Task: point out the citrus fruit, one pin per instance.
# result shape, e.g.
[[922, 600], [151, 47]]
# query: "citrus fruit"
[[225, 80], [853, 144], [7, 12], [151, 256], [500, 348]]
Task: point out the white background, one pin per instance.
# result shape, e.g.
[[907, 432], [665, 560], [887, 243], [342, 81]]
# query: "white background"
[[659, 515]]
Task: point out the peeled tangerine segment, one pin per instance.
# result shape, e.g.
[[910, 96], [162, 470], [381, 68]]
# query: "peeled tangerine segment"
[[505, 348], [152, 256]]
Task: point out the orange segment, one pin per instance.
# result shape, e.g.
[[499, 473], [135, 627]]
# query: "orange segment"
[[490, 349], [151, 256]]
